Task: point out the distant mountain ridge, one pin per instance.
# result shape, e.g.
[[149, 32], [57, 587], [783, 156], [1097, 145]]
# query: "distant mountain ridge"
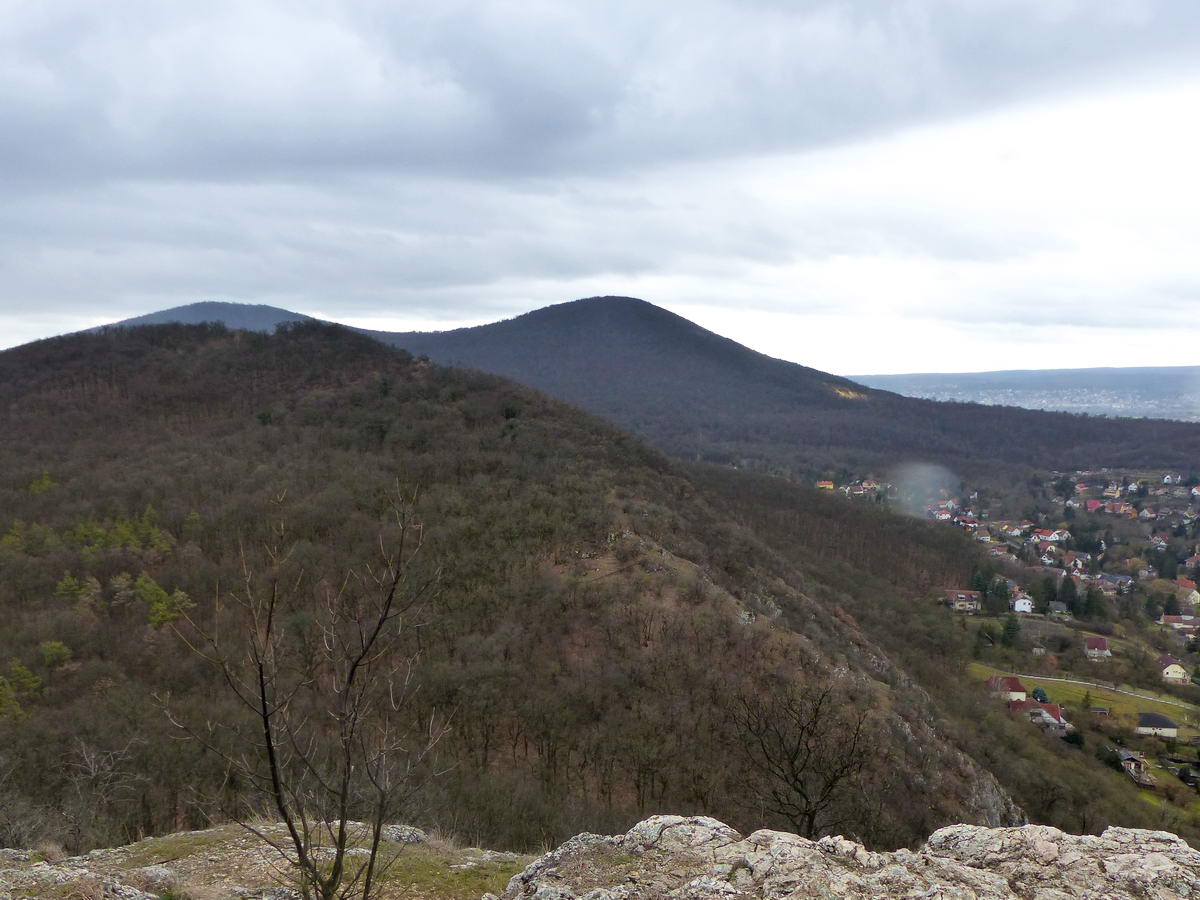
[[245, 316], [701, 396], [1166, 392]]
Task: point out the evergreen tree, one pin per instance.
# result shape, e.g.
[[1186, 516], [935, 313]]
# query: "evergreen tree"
[[1068, 593], [1012, 631], [1064, 486], [981, 578], [1045, 593], [24, 683], [1154, 606], [996, 600], [1094, 606]]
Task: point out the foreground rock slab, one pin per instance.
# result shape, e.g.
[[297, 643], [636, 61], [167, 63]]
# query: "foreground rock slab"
[[700, 858]]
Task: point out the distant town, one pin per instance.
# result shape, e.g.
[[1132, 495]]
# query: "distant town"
[[1167, 392], [1085, 618]]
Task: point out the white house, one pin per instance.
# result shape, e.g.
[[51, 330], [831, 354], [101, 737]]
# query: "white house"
[[1096, 649], [1022, 604], [1054, 536], [1172, 670]]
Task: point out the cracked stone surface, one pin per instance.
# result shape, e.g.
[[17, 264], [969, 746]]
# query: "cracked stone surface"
[[697, 858]]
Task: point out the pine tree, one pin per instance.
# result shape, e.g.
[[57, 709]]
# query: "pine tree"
[[1068, 593], [1012, 631], [1094, 606], [982, 642]]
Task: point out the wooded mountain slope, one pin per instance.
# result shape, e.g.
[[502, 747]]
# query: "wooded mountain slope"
[[698, 395], [601, 618]]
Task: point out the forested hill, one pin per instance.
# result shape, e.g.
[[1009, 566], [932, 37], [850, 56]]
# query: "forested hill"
[[245, 316], [603, 625], [698, 395]]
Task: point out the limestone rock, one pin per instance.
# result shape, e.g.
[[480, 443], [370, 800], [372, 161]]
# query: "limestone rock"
[[403, 834], [678, 833], [156, 879], [696, 858]]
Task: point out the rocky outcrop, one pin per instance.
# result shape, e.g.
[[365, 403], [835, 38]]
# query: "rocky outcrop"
[[702, 859], [229, 862]]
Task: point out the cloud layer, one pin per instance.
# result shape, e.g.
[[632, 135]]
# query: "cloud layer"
[[967, 174]]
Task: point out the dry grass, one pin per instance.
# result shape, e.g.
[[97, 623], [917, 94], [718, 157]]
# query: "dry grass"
[[50, 851], [204, 865], [86, 887]]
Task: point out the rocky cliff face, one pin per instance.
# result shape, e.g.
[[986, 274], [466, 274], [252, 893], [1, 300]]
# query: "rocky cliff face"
[[703, 859]]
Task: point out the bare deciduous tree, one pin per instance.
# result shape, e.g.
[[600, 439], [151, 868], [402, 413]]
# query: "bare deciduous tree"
[[100, 781], [329, 692], [807, 745]]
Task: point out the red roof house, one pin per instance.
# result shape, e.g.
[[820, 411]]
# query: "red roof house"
[[1007, 686]]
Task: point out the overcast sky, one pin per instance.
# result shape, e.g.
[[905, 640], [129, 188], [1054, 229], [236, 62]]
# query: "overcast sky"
[[863, 186]]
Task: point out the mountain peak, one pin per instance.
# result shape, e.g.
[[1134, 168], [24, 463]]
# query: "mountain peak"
[[247, 316]]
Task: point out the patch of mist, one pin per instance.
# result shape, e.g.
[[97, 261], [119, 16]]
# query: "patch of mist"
[[1190, 397], [918, 484]]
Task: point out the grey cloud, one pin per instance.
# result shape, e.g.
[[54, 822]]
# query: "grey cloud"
[[371, 157], [363, 244], [229, 90], [1058, 307]]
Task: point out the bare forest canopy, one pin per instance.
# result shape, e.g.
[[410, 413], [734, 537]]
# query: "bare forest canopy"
[[700, 396], [608, 629]]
